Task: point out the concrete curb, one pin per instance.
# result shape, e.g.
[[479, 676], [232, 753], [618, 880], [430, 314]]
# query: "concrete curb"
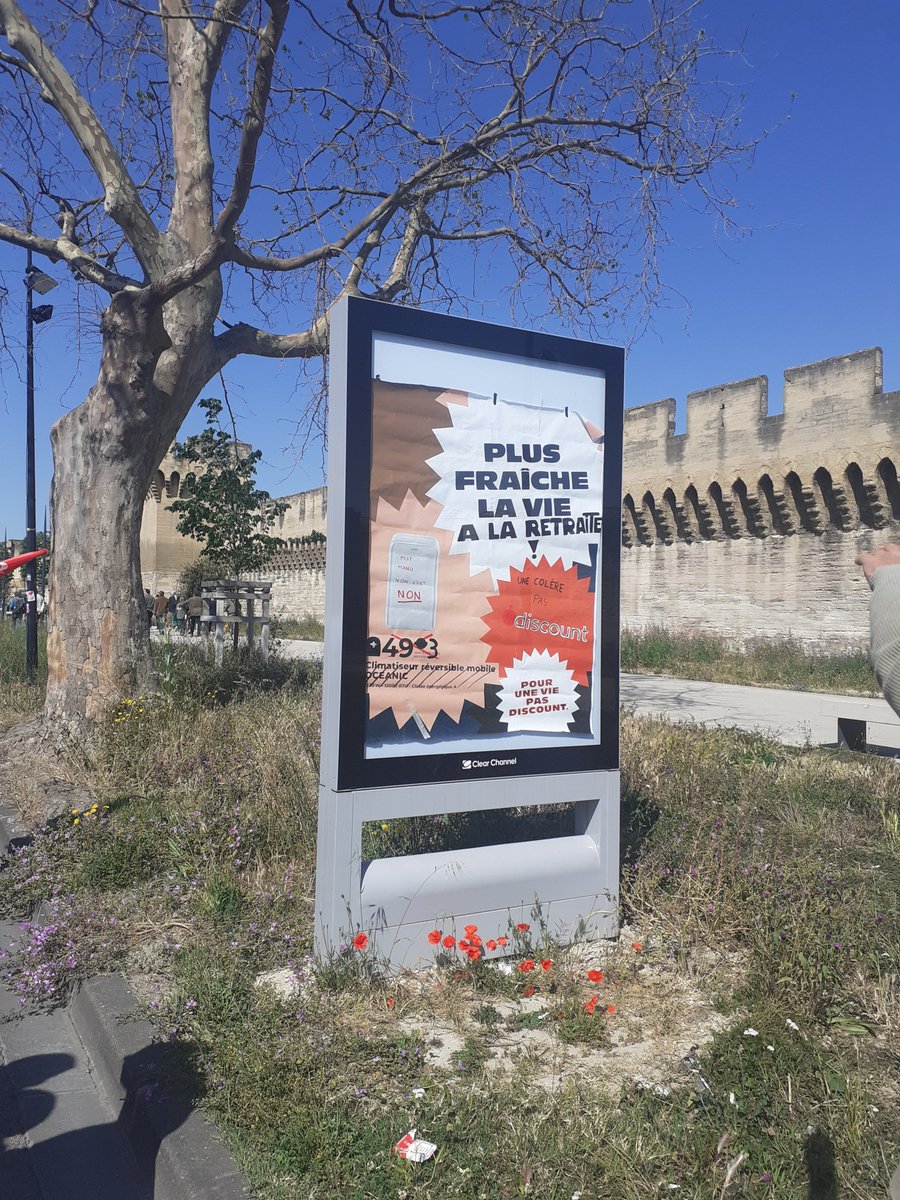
[[171, 1140], [173, 1143]]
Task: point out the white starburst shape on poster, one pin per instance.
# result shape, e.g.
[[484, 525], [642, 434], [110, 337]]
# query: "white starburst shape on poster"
[[517, 483], [538, 693]]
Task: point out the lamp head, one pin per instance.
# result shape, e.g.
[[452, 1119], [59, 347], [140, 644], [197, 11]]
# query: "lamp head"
[[38, 281]]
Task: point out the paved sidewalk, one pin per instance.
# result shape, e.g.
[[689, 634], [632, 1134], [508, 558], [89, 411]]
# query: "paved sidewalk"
[[795, 718], [60, 1137]]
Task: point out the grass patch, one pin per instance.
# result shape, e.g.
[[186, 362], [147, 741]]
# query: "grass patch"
[[19, 700], [760, 662], [126, 856], [744, 1032], [306, 629]]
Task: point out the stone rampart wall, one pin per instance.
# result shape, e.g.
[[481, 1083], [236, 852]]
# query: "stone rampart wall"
[[298, 587], [747, 524], [307, 513], [165, 552]]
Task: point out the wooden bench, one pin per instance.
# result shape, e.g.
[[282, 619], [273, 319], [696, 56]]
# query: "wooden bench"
[[863, 721]]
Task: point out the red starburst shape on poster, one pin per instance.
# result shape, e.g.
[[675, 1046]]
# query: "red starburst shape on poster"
[[542, 607]]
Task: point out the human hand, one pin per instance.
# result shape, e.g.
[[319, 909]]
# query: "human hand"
[[887, 555]]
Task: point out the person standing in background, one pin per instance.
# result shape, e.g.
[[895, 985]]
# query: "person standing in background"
[[193, 609], [882, 572], [172, 609], [160, 609], [17, 608]]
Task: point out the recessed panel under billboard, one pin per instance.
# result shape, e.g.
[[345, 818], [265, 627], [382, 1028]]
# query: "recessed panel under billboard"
[[486, 528]]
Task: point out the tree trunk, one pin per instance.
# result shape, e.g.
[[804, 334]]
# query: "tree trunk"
[[104, 452], [154, 362], [98, 643]]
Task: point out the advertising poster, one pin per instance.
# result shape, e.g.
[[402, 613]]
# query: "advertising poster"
[[485, 545]]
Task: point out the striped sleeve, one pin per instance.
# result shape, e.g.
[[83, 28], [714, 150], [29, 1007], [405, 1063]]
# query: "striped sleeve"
[[885, 632]]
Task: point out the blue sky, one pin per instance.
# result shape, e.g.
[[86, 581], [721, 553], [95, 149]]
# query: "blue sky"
[[817, 275]]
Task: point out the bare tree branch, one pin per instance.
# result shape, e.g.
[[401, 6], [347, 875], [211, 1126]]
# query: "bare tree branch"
[[223, 19], [122, 200], [247, 339], [254, 119], [64, 249]]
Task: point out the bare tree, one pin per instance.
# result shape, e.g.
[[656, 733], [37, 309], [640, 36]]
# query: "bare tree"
[[198, 162]]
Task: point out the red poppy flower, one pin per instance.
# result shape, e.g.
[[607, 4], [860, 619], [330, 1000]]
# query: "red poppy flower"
[[470, 929], [449, 942], [390, 1002], [464, 944], [473, 954], [637, 946], [610, 1008], [529, 991], [475, 940], [434, 937], [491, 944], [523, 927], [502, 941], [590, 1006], [595, 976], [526, 966], [546, 964], [360, 941]]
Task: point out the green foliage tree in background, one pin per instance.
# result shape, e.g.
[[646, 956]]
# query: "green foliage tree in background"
[[190, 578], [221, 507]]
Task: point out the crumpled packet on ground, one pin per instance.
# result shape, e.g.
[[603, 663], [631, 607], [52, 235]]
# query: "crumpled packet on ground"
[[413, 1148]]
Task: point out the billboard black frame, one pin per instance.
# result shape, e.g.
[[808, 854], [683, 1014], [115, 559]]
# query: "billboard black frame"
[[366, 318]]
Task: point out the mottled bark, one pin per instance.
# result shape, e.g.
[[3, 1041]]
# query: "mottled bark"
[[105, 452], [97, 644], [158, 354]]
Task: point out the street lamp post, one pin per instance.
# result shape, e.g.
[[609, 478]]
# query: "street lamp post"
[[3, 601], [35, 281], [31, 639]]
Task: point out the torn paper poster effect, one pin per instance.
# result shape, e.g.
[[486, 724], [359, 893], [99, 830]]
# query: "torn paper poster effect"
[[538, 693], [514, 478]]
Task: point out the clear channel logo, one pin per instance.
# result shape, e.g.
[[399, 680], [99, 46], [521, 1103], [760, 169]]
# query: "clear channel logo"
[[476, 764]]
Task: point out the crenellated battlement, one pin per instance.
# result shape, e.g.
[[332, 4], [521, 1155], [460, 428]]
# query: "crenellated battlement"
[[829, 460], [293, 556]]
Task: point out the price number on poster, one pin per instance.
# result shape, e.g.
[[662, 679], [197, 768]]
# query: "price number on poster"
[[402, 647]]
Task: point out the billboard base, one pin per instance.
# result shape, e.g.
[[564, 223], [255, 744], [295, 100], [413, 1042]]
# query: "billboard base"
[[567, 886]]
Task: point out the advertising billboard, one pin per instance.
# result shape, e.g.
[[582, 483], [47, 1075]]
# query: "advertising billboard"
[[479, 599]]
